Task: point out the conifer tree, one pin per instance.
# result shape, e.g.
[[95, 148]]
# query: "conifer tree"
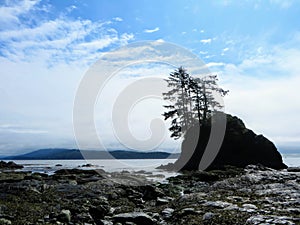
[[193, 100]]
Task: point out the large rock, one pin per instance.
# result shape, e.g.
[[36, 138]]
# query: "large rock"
[[240, 147], [10, 165]]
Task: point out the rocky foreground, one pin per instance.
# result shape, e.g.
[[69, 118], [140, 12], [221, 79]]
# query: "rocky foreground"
[[255, 195]]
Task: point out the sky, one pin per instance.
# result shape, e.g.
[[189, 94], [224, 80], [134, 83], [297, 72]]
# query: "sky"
[[47, 47]]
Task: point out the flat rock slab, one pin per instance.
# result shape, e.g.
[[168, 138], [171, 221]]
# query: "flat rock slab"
[[138, 218]]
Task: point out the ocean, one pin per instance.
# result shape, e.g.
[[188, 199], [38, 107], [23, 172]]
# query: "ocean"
[[131, 165], [291, 160]]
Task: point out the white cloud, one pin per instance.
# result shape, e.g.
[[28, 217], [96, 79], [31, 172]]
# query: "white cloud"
[[215, 64], [264, 93], [9, 13], [206, 41], [71, 8], [118, 19], [61, 39], [42, 62], [151, 30]]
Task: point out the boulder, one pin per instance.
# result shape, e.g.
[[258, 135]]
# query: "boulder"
[[64, 216], [240, 147], [10, 165]]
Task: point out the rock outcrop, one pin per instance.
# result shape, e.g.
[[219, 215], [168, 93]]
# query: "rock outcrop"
[[9, 165], [240, 147]]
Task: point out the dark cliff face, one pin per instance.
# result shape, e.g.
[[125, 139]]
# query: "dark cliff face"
[[240, 147]]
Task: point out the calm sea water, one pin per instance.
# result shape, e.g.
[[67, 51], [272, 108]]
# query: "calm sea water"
[[144, 166], [134, 165], [291, 159]]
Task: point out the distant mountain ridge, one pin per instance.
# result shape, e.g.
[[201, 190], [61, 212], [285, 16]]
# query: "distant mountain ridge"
[[61, 153]]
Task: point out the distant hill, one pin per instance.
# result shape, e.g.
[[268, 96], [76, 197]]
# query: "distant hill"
[[60, 153]]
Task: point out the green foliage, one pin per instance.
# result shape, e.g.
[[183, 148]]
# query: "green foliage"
[[193, 100]]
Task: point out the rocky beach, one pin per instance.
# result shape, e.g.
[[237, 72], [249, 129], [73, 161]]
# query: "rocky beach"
[[253, 195]]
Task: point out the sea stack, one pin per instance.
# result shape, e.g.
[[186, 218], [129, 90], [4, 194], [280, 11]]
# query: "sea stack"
[[240, 147]]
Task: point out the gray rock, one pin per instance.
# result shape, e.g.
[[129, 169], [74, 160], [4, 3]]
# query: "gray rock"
[[217, 204], [186, 211], [260, 219], [4, 221], [106, 222], [167, 212], [64, 216], [208, 216], [161, 201], [293, 169], [249, 206], [232, 208], [138, 218]]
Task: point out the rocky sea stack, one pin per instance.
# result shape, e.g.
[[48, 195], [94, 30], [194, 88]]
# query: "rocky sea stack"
[[240, 147]]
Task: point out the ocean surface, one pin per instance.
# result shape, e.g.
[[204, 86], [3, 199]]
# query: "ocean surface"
[[291, 159], [145, 166], [138, 166]]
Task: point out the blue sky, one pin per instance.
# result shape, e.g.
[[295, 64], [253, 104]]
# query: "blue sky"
[[47, 46]]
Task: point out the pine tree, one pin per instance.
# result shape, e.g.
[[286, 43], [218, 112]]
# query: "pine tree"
[[193, 100], [181, 108]]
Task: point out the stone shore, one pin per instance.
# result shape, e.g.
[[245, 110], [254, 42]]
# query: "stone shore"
[[254, 195]]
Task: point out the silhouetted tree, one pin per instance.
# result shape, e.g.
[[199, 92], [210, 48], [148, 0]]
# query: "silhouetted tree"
[[181, 110], [193, 100]]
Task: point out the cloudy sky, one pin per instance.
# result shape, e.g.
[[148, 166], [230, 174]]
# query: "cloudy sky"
[[46, 48]]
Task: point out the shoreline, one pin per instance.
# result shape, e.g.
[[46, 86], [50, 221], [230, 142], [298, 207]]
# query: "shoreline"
[[252, 195]]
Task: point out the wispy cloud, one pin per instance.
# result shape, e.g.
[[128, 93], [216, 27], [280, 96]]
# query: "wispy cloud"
[[151, 30], [71, 8], [10, 12], [263, 91], [206, 41], [59, 39], [19, 129], [215, 64], [118, 19]]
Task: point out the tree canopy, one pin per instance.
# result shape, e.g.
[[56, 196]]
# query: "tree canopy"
[[192, 100]]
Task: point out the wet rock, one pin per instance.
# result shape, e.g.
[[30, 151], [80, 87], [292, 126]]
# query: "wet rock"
[[78, 172], [105, 222], [64, 216], [217, 204], [249, 206], [138, 218], [293, 169], [10, 165], [87, 165], [208, 216], [151, 192], [167, 212], [260, 219], [99, 212], [5, 221], [161, 201], [188, 211]]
